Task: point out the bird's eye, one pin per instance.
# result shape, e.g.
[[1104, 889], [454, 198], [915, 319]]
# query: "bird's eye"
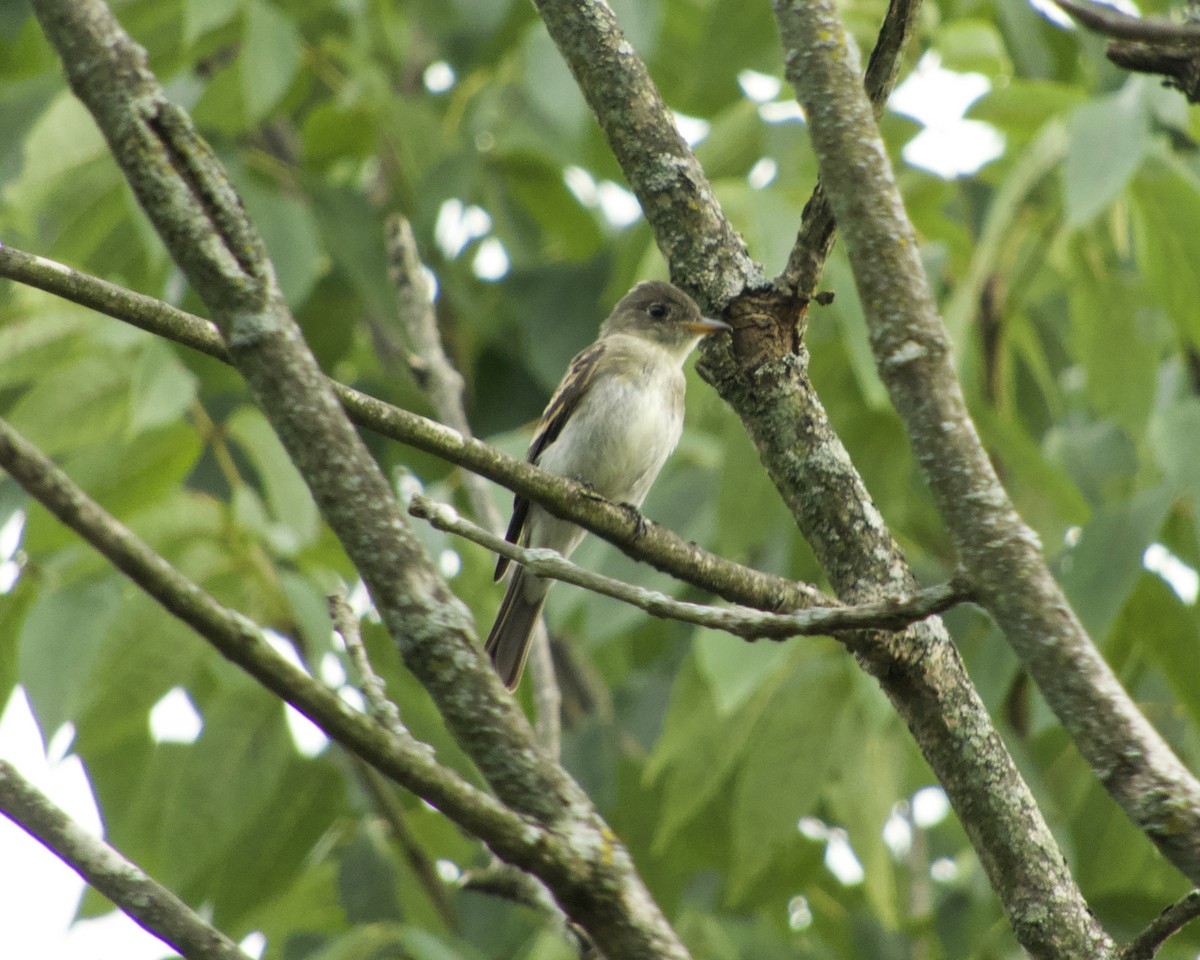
[[658, 310]]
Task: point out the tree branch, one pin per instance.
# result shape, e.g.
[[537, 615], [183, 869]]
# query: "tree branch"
[[445, 387], [393, 751], [200, 218], [764, 378], [638, 538], [152, 906], [1147, 943], [891, 614], [1000, 553], [1146, 45], [817, 228], [1106, 20]]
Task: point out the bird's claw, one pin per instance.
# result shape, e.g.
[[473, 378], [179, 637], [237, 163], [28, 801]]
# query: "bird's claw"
[[640, 524]]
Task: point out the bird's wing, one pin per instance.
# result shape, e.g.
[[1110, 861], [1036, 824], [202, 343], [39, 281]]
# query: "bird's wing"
[[566, 399]]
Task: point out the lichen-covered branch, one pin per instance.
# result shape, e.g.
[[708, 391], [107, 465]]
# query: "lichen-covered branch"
[[999, 552], [640, 539], [445, 387], [817, 228], [188, 198], [390, 749], [151, 905], [764, 378]]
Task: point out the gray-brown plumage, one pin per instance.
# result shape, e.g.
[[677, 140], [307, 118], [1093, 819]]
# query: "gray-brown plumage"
[[611, 424]]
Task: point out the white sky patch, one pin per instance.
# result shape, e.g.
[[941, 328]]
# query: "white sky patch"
[[619, 206], [841, 860], [491, 261], [937, 98], [459, 224], [1055, 14], [307, 737], [360, 602], [930, 806], [897, 831], [800, 915], [812, 828], [449, 563], [762, 173], [439, 77], [175, 719], [582, 184], [448, 871], [759, 87], [283, 646], [39, 892], [692, 129], [10, 542], [1179, 576], [354, 697], [60, 744], [333, 672], [253, 944], [943, 870], [781, 111]]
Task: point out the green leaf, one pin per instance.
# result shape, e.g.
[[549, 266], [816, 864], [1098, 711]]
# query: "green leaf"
[[289, 229], [1103, 567], [1107, 140], [736, 670], [1166, 209], [783, 767], [161, 390], [200, 16], [293, 513], [270, 57], [60, 640], [974, 46]]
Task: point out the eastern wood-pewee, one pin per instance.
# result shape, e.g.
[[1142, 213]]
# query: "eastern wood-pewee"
[[611, 424]]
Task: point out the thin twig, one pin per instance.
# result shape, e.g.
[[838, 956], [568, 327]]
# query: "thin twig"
[[740, 621], [152, 906], [383, 710], [379, 706], [427, 358], [1111, 22], [445, 387], [392, 810], [1147, 943], [818, 230]]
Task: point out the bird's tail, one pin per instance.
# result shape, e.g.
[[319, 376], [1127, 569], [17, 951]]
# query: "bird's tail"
[[508, 643]]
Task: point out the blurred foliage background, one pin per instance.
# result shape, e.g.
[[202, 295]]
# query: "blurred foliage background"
[[773, 803]]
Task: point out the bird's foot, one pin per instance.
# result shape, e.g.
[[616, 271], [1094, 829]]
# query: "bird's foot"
[[640, 523]]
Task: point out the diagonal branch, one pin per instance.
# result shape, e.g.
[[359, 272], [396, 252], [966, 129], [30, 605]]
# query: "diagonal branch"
[[764, 378], [391, 750], [1000, 553], [1146, 944], [817, 228], [891, 614], [1107, 20], [445, 387], [190, 201], [152, 906]]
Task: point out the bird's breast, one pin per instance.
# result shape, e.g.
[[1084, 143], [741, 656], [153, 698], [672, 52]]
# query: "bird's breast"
[[621, 434]]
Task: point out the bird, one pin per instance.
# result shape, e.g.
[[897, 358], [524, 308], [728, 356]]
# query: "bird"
[[611, 424]]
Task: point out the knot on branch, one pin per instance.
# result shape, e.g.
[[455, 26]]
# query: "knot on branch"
[[768, 323]]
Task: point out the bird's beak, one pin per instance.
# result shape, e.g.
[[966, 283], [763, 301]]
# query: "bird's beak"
[[706, 327]]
